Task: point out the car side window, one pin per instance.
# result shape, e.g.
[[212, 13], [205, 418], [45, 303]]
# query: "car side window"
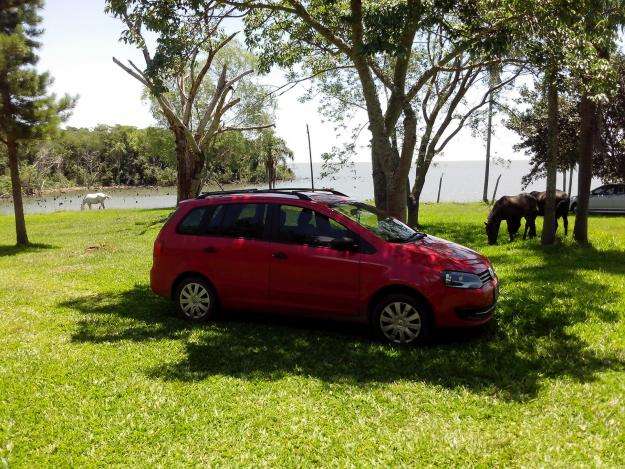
[[620, 190], [599, 190], [244, 221], [202, 221], [300, 225], [192, 223]]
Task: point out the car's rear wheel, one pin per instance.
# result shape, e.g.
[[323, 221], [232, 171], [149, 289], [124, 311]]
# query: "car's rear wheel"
[[195, 299], [574, 208], [401, 319]]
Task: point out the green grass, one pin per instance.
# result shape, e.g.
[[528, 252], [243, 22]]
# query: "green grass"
[[95, 370]]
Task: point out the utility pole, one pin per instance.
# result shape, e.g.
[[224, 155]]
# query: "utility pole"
[[489, 133], [312, 179]]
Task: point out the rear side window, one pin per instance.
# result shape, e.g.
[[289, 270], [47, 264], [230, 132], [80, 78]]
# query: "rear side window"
[[192, 224], [244, 221], [202, 221]]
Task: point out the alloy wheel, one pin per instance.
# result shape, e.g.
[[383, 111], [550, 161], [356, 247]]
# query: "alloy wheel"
[[195, 300], [400, 322]]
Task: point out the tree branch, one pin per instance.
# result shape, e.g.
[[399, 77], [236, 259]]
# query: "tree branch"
[[243, 129]]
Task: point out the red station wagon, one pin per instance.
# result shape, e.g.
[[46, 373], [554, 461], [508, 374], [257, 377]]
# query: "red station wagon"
[[318, 252]]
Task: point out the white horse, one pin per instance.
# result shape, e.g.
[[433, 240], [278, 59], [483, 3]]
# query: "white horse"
[[97, 198]]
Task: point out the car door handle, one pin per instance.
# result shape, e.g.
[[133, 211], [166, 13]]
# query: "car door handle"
[[279, 255], [209, 249]]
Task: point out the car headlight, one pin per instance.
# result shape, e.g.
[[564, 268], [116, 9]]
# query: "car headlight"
[[461, 280], [491, 271]]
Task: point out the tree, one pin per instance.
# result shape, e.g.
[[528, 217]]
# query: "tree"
[[551, 92], [450, 101], [374, 44], [190, 38], [596, 31], [235, 158], [27, 111]]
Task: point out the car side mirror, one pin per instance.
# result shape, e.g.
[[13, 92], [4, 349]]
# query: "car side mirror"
[[344, 244]]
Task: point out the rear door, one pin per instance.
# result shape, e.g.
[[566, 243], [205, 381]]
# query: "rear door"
[[307, 274], [231, 249], [597, 200]]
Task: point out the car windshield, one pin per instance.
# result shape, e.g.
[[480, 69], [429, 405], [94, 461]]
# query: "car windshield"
[[383, 225]]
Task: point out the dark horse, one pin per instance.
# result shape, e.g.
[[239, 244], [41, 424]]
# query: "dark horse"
[[512, 208], [562, 207]]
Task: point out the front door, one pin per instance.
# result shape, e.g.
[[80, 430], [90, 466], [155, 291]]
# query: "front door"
[[306, 273]]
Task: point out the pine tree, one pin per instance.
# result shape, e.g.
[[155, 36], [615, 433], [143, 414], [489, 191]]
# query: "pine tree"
[[27, 111]]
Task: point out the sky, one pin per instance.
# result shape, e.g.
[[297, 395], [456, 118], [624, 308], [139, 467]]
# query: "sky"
[[80, 41]]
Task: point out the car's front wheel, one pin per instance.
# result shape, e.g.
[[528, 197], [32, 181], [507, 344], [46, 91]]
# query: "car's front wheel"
[[195, 299], [401, 319], [574, 208]]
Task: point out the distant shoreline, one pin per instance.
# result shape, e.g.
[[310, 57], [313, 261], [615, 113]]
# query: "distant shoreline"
[[74, 189]]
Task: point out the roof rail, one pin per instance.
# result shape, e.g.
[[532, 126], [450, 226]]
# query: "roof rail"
[[308, 189], [296, 191]]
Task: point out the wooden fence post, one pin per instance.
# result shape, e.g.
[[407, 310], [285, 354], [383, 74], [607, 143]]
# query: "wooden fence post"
[[495, 191], [440, 183]]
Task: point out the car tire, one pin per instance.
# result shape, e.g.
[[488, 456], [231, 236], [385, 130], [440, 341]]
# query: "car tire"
[[401, 319], [574, 208], [195, 299]]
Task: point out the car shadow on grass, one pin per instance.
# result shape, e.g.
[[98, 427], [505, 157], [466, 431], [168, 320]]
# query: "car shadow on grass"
[[530, 341], [15, 249]]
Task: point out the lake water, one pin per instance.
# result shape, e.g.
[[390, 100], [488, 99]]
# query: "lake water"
[[462, 182]]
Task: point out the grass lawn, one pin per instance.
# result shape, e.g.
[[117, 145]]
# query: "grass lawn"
[[95, 370]]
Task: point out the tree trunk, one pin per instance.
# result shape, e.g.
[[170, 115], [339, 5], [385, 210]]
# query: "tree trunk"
[[564, 180], [388, 185], [551, 90], [413, 210], [489, 135], [189, 168], [379, 182], [16, 185], [571, 180], [396, 190], [417, 188], [389, 179], [588, 115]]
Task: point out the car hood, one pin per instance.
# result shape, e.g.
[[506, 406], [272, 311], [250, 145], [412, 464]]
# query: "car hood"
[[449, 255]]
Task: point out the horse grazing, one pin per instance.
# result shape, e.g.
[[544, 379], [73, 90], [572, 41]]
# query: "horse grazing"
[[512, 208], [563, 203], [91, 199]]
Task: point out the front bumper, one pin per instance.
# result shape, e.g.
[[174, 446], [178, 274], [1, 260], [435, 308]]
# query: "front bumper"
[[473, 314], [466, 308]]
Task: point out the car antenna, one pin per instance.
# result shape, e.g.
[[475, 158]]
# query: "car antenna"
[[312, 179]]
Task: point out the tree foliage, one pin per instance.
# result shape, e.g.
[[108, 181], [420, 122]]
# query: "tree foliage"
[[372, 55], [122, 155], [190, 59], [531, 125]]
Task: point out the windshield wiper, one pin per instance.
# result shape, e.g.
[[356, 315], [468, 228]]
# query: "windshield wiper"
[[415, 236]]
